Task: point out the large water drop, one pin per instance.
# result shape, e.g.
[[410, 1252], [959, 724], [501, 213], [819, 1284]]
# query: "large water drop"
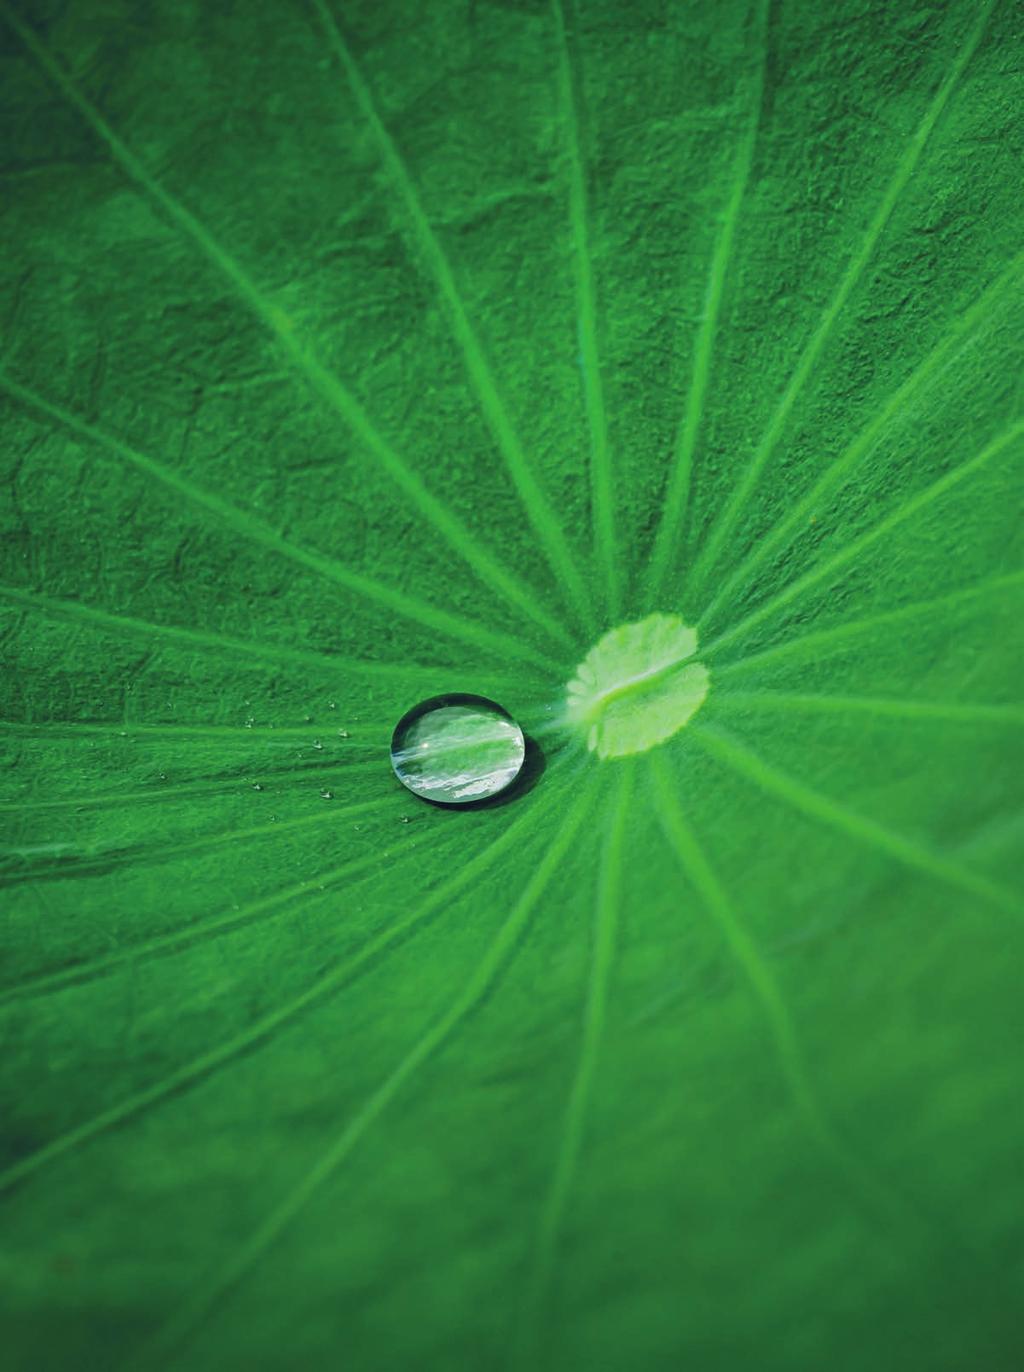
[[455, 749]]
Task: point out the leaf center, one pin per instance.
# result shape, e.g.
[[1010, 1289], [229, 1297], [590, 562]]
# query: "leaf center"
[[637, 686]]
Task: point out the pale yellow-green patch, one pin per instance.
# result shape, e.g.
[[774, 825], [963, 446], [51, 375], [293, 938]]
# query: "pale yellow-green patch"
[[637, 686]]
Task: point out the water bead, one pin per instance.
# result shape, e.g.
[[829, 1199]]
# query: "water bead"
[[455, 749]]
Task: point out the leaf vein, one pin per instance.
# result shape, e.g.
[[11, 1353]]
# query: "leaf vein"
[[318, 376], [535, 503], [734, 507]]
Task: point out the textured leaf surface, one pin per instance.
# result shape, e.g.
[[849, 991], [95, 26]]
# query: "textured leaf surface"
[[352, 356]]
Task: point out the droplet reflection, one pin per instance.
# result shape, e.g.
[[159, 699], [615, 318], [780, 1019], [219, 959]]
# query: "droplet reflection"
[[456, 749]]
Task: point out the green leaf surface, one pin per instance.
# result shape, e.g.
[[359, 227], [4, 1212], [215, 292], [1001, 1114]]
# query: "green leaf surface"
[[356, 354]]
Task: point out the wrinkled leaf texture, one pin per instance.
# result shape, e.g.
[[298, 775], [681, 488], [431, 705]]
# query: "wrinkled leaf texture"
[[358, 352]]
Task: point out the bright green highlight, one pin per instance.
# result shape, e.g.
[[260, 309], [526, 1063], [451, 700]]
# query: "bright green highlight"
[[637, 686]]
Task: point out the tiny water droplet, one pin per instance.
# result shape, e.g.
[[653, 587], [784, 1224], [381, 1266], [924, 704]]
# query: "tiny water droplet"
[[257, 786], [344, 733], [307, 719], [405, 820], [457, 748], [326, 795], [250, 721], [318, 745], [332, 705], [162, 776]]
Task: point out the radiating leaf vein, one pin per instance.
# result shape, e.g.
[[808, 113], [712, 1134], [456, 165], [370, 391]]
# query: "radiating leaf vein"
[[727, 521], [811, 645], [319, 377], [262, 1028], [159, 945], [74, 867], [238, 1264], [601, 484], [728, 750], [948, 711], [830, 566], [605, 932], [762, 983], [976, 317], [675, 504], [327, 665], [538, 509], [254, 529]]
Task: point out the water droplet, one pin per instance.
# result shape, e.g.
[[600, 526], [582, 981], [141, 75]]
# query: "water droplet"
[[332, 705], [326, 795], [318, 745], [257, 786], [404, 819], [457, 748], [250, 721], [344, 733]]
